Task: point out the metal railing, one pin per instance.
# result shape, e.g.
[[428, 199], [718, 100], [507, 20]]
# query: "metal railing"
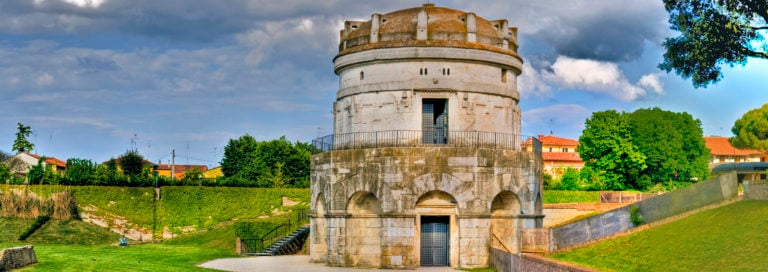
[[256, 245], [417, 138]]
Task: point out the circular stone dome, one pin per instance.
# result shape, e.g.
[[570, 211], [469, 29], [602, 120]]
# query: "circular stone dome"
[[428, 26]]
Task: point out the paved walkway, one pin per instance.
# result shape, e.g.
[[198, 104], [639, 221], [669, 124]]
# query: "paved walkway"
[[288, 263]]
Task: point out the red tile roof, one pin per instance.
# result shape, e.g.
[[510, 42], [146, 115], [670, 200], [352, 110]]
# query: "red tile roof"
[[721, 146], [50, 160], [558, 141], [561, 156]]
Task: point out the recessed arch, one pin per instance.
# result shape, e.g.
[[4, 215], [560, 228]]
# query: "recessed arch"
[[319, 231], [436, 198], [363, 230], [505, 229]]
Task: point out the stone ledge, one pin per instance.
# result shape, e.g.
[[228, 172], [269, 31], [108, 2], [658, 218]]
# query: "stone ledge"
[[12, 258]]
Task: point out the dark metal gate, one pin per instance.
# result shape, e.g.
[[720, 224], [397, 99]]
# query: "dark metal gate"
[[435, 241]]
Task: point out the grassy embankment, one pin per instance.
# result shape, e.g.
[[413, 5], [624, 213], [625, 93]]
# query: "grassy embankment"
[[729, 238], [556, 196], [211, 212]]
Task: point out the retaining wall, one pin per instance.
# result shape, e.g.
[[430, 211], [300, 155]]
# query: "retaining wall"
[[504, 261], [715, 190], [16, 257], [756, 190]]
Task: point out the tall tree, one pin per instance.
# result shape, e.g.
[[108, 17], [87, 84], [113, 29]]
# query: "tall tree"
[[239, 156], [132, 163], [712, 33], [22, 144], [606, 146], [673, 144], [751, 129]]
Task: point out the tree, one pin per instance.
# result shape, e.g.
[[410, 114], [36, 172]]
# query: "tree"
[[673, 144], [712, 33], [751, 129], [239, 154], [273, 163], [21, 144], [80, 172], [606, 146], [132, 163]]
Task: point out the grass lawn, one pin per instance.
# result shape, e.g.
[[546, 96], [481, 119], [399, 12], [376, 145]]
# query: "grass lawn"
[[557, 196], [79, 246], [729, 238]]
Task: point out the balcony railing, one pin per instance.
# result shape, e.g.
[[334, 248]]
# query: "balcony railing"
[[420, 138]]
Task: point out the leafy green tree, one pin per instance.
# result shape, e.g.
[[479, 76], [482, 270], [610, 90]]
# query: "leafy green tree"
[[132, 163], [606, 146], [571, 180], [192, 177], [751, 129], [80, 172], [36, 172], [712, 33], [5, 173], [22, 144], [673, 144], [239, 155], [273, 163]]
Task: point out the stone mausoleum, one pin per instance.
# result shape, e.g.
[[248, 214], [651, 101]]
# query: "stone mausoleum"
[[426, 166]]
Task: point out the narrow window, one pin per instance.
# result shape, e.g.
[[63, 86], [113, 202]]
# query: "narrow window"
[[362, 75], [443, 71], [550, 149], [421, 71], [425, 71], [449, 71], [503, 75], [565, 149]]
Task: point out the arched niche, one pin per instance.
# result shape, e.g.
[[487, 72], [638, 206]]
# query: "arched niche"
[[363, 230], [505, 228], [319, 231]]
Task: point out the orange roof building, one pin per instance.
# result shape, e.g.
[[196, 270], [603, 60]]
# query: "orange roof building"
[[559, 154], [722, 151]]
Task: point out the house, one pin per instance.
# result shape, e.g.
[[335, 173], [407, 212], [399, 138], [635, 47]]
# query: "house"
[[722, 151], [164, 170], [20, 164], [558, 154], [213, 173]]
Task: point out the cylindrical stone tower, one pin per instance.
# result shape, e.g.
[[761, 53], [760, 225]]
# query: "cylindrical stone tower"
[[426, 166]]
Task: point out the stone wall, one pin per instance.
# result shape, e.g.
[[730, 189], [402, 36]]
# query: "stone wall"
[[756, 190], [481, 190], [712, 191], [719, 189], [507, 262], [16, 257]]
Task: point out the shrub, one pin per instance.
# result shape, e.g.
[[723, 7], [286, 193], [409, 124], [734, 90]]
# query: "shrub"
[[634, 216], [39, 222]]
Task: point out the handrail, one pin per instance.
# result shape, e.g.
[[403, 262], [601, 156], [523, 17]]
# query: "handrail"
[[501, 243], [432, 138]]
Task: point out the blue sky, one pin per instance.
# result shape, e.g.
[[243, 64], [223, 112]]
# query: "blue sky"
[[94, 78]]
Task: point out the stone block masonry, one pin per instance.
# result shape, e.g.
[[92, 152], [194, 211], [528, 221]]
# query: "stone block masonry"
[[12, 258]]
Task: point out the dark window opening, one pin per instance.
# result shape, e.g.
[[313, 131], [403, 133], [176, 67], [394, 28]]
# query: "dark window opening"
[[503, 75], [435, 121], [362, 75]]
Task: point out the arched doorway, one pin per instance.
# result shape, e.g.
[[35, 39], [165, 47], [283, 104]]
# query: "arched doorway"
[[436, 229], [363, 230], [504, 223], [319, 233]]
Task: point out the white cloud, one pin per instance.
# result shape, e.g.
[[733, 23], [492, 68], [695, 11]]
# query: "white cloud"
[[652, 82], [599, 77], [530, 83], [85, 3], [45, 80]]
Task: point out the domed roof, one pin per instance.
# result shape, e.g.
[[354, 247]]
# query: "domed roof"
[[444, 28]]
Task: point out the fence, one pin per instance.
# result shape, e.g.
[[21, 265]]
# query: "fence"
[[415, 138], [256, 245], [623, 197]]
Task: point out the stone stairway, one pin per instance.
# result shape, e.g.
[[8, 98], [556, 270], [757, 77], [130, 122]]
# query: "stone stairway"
[[287, 245]]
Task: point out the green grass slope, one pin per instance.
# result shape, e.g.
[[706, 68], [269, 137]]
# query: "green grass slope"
[[729, 238]]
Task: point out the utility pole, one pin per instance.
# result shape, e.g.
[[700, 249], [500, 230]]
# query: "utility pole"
[[173, 161]]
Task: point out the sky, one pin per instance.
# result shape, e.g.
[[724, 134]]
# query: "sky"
[[95, 78]]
